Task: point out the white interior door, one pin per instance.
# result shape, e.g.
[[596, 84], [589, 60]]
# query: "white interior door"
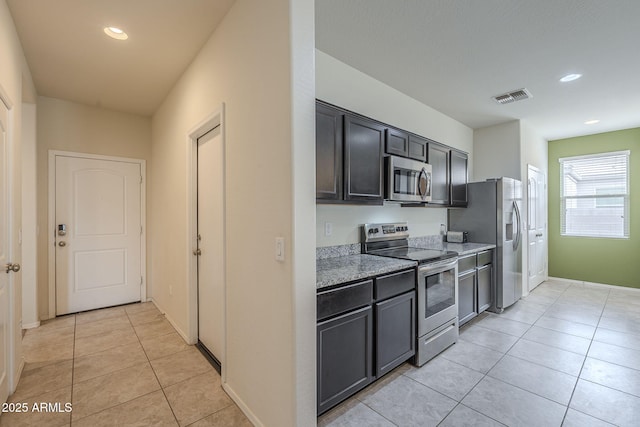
[[211, 243], [537, 226], [98, 233], [4, 255]]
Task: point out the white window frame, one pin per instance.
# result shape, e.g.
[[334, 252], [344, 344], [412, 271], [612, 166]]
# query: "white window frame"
[[625, 196]]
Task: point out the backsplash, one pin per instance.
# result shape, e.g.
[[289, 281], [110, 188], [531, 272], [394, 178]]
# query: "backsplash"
[[338, 251], [356, 248], [346, 221]]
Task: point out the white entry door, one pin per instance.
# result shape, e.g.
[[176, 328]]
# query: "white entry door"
[[211, 243], [537, 226], [98, 233], [4, 254]]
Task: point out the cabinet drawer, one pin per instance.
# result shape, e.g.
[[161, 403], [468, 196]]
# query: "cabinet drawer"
[[485, 257], [394, 284], [343, 299], [466, 263]]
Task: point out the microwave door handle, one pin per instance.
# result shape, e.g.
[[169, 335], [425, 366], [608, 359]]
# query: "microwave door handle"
[[423, 175]]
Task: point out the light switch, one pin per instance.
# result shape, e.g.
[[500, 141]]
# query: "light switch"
[[279, 248], [328, 228]]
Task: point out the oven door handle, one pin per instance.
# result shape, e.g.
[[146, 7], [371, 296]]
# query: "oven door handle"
[[438, 267]]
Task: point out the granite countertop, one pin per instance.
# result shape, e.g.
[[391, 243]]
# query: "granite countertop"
[[333, 271], [464, 248], [435, 242]]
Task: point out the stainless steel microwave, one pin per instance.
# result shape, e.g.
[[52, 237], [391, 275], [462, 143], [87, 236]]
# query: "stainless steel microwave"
[[407, 180]]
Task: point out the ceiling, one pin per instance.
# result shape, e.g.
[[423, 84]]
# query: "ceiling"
[[454, 55], [71, 58]]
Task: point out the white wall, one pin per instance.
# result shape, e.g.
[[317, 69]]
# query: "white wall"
[[506, 150], [264, 75], [344, 86], [497, 152], [346, 221], [68, 126], [30, 318]]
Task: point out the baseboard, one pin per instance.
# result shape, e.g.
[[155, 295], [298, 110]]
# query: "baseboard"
[[18, 374], [31, 325], [243, 406], [593, 284], [173, 323]]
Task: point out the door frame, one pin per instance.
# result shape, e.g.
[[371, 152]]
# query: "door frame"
[[211, 121], [15, 361], [532, 168], [51, 222]]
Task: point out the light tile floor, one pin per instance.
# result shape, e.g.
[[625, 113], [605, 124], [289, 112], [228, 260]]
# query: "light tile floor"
[[118, 366], [565, 355]]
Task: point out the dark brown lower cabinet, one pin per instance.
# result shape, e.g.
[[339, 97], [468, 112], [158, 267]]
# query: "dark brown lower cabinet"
[[395, 331], [467, 296], [344, 356], [475, 285]]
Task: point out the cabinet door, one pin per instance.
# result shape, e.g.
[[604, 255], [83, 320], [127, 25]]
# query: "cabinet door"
[[466, 297], [364, 140], [438, 158], [417, 148], [485, 286], [397, 142], [344, 359], [328, 152], [395, 331], [459, 174]]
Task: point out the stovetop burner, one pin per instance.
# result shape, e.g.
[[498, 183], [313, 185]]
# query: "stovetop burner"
[[420, 255], [391, 240]]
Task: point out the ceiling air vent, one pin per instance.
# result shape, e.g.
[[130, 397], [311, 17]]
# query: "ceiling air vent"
[[516, 95]]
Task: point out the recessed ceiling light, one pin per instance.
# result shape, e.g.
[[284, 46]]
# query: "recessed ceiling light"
[[570, 77], [592, 122], [116, 33]]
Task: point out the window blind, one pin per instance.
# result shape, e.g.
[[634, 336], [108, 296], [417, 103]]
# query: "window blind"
[[594, 193]]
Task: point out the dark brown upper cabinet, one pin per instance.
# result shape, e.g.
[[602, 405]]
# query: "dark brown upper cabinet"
[[329, 146], [418, 148], [438, 158], [404, 144], [459, 165], [363, 152], [396, 142]]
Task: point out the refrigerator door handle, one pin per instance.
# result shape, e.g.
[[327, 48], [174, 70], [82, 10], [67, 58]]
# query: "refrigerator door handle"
[[516, 241]]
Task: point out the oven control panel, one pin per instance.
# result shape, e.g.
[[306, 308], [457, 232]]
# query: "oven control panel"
[[385, 231]]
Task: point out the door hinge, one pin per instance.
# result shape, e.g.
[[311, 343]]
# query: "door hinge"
[[141, 230], [141, 281], [140, 179]]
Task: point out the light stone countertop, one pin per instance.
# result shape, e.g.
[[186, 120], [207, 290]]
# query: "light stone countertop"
[[333, 271], [466, 248]]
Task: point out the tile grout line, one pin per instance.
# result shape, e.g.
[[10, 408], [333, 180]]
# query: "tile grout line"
[[154, 371], [566, 412]]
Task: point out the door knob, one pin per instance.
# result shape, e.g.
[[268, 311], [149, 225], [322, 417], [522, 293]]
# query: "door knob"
[[12, 267], [197, 252], [62, 244]]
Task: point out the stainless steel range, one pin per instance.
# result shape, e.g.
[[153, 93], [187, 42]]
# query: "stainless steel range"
[[437, 285]]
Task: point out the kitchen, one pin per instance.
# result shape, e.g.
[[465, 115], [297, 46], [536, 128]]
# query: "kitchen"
[[519, 143], [223, 72]]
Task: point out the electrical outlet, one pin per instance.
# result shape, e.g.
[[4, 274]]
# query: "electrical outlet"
[[170, 290], [328, 228]]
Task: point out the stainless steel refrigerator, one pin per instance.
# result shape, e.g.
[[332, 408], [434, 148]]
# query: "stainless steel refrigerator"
[[493, 215]]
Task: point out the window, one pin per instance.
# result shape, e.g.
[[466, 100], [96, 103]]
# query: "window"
[[594, 195]]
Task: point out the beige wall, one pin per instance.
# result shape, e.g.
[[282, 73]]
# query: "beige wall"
[[266, 82], [67, 126]]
